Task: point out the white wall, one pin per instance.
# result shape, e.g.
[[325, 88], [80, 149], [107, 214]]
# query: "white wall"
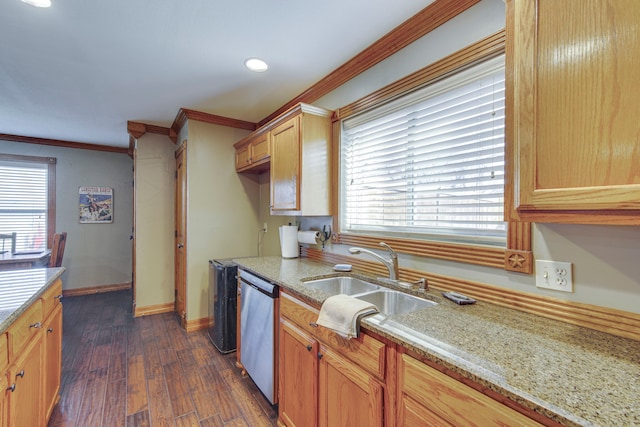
[[95, 254], [223, 211], [154, 220], [606, 269]]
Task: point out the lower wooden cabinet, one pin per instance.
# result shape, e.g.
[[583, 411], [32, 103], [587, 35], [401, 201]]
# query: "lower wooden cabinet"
[[327, 381], [429, 398], [31, 380], [318, 384]]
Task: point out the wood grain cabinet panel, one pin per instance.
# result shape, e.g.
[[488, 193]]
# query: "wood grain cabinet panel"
[[4, 352], [430, 398], [298, 399], [349, 395], [573, 130], [51, 298], [4, 399], [52, 360], [24, 328], [25, 375]]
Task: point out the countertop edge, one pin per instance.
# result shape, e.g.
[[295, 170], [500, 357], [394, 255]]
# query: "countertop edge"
[[55, 275]]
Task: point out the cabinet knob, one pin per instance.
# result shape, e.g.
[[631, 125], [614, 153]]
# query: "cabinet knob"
[[58, 297], [319, 355], [180, 246], [50, 330], [20, 374], [309, 347], [35, 325], [313, 325], [12, 387]]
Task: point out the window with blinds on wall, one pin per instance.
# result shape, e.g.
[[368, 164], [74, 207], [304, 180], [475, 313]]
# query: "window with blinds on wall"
[[430, 164], [24, 199]]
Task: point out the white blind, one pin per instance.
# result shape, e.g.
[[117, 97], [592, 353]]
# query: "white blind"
[[23, 204], [430, 163]]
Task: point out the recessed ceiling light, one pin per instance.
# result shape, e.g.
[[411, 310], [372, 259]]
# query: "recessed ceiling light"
[[255, 64], [38, 3]]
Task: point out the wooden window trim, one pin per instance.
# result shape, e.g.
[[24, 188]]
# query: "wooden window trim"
[[51, 188], [517, 255]]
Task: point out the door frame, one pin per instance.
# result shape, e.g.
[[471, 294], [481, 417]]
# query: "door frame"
[[180, 234]]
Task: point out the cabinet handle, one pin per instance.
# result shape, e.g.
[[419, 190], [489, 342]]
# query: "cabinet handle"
[[50, 330], [12, 387], [35, 325], [309, 347], [180, 246], [313, 325], [20, 374], [319, 355], [58, 297]]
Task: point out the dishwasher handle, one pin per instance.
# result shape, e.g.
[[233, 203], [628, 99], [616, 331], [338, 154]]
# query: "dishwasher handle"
[[259, 284]]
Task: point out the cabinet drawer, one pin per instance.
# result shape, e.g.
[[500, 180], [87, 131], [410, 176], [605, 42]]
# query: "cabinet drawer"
[[451, 400], [365, 351], [26, 326], [50, 298], [4, 352]]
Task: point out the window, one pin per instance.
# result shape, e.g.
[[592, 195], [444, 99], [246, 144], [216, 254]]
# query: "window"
[[27, 197], [430, 164]]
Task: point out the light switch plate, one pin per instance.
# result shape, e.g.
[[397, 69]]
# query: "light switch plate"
[[554, 275]]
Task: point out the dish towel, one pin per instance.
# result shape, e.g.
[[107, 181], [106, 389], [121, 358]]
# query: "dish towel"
[[342, 313]]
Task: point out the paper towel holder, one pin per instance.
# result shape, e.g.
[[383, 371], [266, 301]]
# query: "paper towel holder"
[[325, 235]]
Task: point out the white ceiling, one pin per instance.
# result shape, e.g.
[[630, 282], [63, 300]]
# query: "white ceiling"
[[80, 69]]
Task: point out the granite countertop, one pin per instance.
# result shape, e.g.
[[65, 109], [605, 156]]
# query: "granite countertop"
[[20, 288], [573, 375]]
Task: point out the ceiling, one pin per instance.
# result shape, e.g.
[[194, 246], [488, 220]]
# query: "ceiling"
[[79, 70]]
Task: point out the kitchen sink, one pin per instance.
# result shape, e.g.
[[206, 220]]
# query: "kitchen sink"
[[342, 285], [395, 302]]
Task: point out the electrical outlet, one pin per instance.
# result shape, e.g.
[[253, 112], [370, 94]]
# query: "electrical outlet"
[[554, 275], [264, 227]]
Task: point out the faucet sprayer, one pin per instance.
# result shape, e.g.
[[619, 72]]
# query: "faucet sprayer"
[[391, 263]]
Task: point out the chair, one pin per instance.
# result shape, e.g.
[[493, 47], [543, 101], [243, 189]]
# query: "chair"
[[57, 250], [4, 238]]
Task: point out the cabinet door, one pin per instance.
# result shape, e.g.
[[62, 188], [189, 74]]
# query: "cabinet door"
[[243, 157], [285, 166], [260, 148], [25, 400], [298, 399], [348, 395], [52, 359], [574, 111]]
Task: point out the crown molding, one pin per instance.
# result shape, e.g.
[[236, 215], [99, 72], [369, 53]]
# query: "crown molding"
[[62, 143], [423, 22], [185, 114]]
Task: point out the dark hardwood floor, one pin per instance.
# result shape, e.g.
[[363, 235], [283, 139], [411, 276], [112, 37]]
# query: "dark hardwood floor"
[[121, 371]]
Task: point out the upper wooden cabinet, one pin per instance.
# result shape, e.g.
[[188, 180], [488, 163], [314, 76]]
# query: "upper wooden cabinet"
[[300, 162], [252, 153], [573, 133], [296, 148]]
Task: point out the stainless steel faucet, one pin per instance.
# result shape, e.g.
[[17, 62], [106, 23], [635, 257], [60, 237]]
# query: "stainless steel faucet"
[[391, 263]]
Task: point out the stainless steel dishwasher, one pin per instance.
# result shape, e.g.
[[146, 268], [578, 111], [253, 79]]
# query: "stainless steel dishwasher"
[[258, 332]]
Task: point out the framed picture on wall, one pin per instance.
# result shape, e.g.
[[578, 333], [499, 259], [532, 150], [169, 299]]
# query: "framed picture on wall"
[[96, 205]]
